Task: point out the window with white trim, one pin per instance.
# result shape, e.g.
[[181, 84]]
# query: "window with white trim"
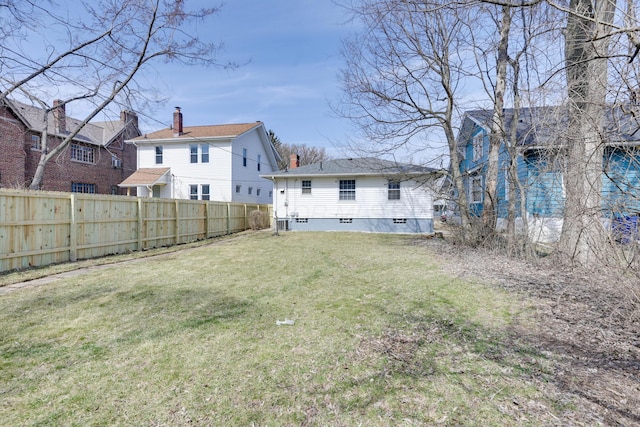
[[347, 189], [193, 149], [115, 162], [476, 189], [193, 191], [244, 157], [36, 144], [205, 192], [158, 154], [204, 153], [259, 160], [238, 188], [82, 153], [306, 186], [394, 190], [477, 145], [82, 187]]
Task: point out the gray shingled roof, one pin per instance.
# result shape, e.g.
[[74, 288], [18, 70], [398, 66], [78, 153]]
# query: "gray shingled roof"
[[97, 133], [541, 126], [358, 166]]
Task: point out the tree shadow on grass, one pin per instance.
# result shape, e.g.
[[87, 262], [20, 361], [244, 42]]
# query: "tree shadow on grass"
[[579, 382]]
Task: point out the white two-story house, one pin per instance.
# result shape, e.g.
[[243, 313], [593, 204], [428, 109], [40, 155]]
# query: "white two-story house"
[[216, 162]]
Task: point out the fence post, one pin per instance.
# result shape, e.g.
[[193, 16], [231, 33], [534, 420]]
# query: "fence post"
[[140, 225], [228, 218], [207, 218], [73, 233], [177, 204]]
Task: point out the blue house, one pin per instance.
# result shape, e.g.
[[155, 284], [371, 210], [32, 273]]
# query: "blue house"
[[540, 165]]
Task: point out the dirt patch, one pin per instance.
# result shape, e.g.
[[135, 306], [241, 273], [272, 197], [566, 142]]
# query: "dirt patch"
[[587, 323]]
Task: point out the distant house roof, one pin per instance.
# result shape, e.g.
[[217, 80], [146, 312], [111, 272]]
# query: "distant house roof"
[[211, 131], [353, 167], [147, 177], [544, 126], [95, 133]]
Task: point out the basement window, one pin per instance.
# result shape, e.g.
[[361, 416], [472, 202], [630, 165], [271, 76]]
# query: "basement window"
[[399, 220], [302, 220], [346, 220]]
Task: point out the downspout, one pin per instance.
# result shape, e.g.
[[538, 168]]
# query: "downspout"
[[275, 206]]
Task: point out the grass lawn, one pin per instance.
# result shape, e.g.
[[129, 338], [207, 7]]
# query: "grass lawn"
[[382, 337]]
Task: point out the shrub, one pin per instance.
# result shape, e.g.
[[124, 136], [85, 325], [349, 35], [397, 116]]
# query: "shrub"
[[259, 220]]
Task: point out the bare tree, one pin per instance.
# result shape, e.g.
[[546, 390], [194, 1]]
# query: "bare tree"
[[404, 74], [100, 61]]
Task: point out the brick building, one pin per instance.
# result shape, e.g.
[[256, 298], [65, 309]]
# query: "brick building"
[[95, 161]]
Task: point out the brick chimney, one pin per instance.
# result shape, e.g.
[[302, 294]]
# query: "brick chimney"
[[59, 116], [177, 122], [129, 118], [294, 161]]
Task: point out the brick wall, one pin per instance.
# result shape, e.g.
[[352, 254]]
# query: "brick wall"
[[18, 161], [13, 136]]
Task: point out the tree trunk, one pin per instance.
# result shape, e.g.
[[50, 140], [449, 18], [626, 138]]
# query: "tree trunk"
[[587, 45], [497, 133]]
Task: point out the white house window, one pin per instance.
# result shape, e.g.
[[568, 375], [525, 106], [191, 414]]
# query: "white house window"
[[306, 187], [238, 187], [478, 141], [394, 190], [258, 191], [193, 148], [259, 160], [250, 190], [204, 155], [158, 155], [81, 153], [347, 189], [81, 187], [205, 192], [35, 143], [476, 189], [193, 191], [244, 157]]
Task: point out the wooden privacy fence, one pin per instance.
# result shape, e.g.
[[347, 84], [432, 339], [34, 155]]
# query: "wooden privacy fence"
[[41, 228]]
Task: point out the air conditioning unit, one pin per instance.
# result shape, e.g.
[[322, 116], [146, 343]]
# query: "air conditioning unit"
[[116, 163]]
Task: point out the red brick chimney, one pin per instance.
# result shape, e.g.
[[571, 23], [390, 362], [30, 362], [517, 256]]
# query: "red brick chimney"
[[59, 116], [294, 161], [177, 122]]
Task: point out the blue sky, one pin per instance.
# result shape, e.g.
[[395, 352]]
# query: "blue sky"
[[290, 60]]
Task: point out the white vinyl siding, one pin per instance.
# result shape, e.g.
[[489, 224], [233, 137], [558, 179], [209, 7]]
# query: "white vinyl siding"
[[371, 201], [218, 163]]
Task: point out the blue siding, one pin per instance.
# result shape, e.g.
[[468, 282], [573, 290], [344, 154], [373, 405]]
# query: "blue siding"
[[621, 182], [544, 185], [542, 177]]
